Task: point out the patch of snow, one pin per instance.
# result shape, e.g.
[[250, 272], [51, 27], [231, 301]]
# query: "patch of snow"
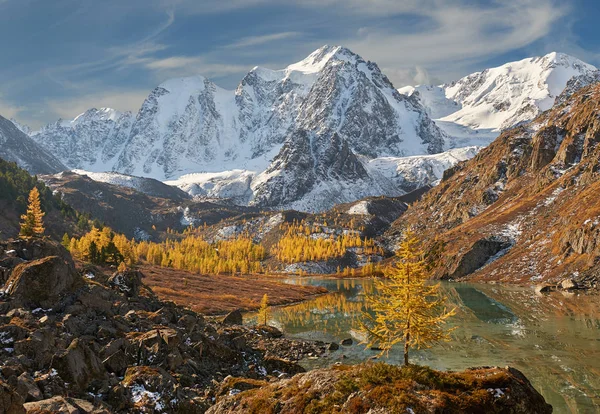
[[496, 392], [361, 208]]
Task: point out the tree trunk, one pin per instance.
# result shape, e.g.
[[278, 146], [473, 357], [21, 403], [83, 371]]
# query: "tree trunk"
[[407, 337]]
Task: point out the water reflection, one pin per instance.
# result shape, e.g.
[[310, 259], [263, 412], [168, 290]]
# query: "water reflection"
[[554, 339]]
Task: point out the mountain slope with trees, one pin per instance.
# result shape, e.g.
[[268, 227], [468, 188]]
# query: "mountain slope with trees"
[[526, 208]]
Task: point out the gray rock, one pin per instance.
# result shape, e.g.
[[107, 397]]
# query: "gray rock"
[[234, 318]]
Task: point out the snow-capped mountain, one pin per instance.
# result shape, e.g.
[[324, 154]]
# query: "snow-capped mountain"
[[477, 107], [333, 102], [192, 125], [91, 141], [16, 146]]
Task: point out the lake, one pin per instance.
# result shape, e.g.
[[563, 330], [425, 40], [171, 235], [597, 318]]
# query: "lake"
[[553, 339]]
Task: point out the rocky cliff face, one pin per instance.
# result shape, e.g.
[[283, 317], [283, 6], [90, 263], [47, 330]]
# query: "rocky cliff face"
[[17, 147], [312, 172], [525, 208]]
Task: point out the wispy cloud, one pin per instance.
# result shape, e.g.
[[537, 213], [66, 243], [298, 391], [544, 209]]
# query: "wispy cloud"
[[261, 40], [191, 65], [461, 32]]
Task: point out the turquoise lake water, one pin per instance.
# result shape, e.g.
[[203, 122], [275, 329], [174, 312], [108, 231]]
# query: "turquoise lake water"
[[553, 339]]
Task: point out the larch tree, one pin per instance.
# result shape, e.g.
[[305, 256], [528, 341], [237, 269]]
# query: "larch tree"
[[32, 224], [264, 313], [405, 307]]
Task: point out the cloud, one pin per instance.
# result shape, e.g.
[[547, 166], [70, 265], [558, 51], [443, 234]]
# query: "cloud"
[[176, 66], [207, 6], [457, 32], [261, 40]]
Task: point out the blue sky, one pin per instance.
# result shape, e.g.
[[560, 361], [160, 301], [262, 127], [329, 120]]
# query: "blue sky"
[[60, 57]]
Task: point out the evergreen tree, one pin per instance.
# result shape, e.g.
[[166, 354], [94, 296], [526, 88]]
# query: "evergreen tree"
[[264, 313], [32, 224], [93, 253], [406, 308]]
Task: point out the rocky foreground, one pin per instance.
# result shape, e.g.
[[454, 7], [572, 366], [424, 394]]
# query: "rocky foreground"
[[81, 343]]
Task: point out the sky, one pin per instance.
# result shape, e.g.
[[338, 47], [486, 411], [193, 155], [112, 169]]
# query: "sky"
[[61, 57]]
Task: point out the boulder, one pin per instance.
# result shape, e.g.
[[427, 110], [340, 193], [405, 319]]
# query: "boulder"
[[33, 249], [234, 318], [42, 283], [149, 388], [78, 364], [10, 401], [27, 388], [568, 284], [333, 346], [347, 342], [269, 331], [128, 282], [65, 405]]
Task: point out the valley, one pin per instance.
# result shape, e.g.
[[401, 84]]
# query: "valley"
[[234, 250]]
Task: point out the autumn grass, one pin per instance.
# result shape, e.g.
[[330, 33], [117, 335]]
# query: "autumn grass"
[[382, 387]]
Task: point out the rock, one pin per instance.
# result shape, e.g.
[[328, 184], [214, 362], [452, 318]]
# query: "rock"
[[28, 389], [568, 284], [152, 347], [34, 249], [79, 365], [149, 388], [128, 282], [10, 401], [42, 283], [544, 288], [277, 365], [65, 405], [333, 346], [269, 331], [231, 385], [347, 342], [116, 363], [498, 390], [39, 347], [233, 318], [478, 255]]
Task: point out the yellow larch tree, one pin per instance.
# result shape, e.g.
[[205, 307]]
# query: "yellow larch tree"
[[32, 224], [405, 307], [264, 313]]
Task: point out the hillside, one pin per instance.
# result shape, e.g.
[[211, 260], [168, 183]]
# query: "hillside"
[[137, 207], [15, 185], [525, 209], [18, 147]]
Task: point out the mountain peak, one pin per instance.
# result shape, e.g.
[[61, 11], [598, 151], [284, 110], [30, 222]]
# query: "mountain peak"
[[196, 82], [317, 60]]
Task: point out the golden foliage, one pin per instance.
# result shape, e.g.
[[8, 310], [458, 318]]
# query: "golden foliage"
[[264, 313], [302, 242], [406, 308], [32, 224], [194, 254]]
